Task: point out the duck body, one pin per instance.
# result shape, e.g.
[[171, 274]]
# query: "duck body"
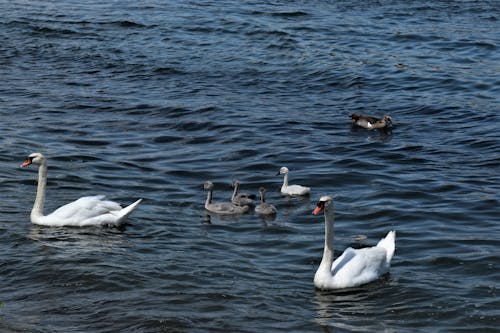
[[292, 189], [86, 211], [371, 122], [354, 267]]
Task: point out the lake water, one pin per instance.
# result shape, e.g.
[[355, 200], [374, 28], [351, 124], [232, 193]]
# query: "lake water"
[[150, 99]]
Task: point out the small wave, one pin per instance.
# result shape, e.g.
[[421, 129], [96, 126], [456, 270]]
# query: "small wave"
[[285, 14], [53, 32], [297, 13], [166, 139], [128, 24], [272, 32], [167, 70], [90, 142]]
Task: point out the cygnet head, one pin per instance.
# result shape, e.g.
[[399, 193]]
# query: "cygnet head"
[[324, 202], [283, 171], [34, 158], [208, 185]]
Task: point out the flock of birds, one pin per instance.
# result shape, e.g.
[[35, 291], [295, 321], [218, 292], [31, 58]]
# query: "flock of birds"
[[353, 268], [243, 202]]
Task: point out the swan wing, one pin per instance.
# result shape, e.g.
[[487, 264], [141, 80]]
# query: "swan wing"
[[295, 189], [243, 199], [87, 211], [86, 207], [360, 266], [225, 208], [111, 215], [389, 243], [265, 209]]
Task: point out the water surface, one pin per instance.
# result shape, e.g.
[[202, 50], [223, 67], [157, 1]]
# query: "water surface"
[[151, 100]]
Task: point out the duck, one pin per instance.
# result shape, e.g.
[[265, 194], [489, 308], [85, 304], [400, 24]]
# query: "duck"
[[292, 189], [86, 211], [355, 267], [241, 199], [264, 208], [371, 122], [222, 208]]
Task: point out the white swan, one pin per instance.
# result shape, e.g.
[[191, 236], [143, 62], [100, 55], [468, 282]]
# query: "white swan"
[[292, 189], [241, 199], [354, 267], [222, 208], [264, 208], [86, 211]]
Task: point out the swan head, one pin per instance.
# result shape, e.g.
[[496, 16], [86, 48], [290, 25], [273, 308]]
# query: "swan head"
[[262, 190], [283, 171], [208, 185], [34, 158], [323, 203], [236, 182]]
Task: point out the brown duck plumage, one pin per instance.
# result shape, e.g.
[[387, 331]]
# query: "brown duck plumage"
[[371, 122]]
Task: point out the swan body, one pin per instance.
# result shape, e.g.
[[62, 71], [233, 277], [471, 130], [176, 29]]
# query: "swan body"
[[291, 189], [371, 122], [354, 267], [86, 211], [241, 199], [264, 208], [222, 208]]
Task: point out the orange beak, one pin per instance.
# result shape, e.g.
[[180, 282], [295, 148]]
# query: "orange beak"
[[26, 163], [317, 210]]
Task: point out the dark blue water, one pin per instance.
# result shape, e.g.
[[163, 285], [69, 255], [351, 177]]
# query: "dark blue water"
[[133, 99]]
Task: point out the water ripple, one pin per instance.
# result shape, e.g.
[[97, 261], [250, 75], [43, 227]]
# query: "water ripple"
[[151, 100]]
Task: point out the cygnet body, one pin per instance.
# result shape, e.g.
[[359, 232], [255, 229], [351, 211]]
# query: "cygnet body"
[[241, 199], [264, 208], [292, 189], [222, 208]]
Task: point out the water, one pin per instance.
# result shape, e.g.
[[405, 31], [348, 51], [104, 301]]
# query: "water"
[[151, 100]]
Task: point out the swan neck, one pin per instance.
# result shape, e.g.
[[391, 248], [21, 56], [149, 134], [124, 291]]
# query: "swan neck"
[[329, 235], [235, 191], [209, 198], [40, 192], [285, 180]]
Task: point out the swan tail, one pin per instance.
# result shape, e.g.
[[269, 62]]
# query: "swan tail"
[[389, 244], [123, 213]]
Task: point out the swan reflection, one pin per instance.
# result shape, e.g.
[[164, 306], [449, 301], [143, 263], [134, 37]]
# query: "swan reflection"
[[75, 241], [346, 308]]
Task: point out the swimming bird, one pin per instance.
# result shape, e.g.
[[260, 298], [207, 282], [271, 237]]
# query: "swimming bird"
[[371, 122], [354, 267], [291, 189], [222, 208], [264, 208], [86, 211], [241, 199]]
